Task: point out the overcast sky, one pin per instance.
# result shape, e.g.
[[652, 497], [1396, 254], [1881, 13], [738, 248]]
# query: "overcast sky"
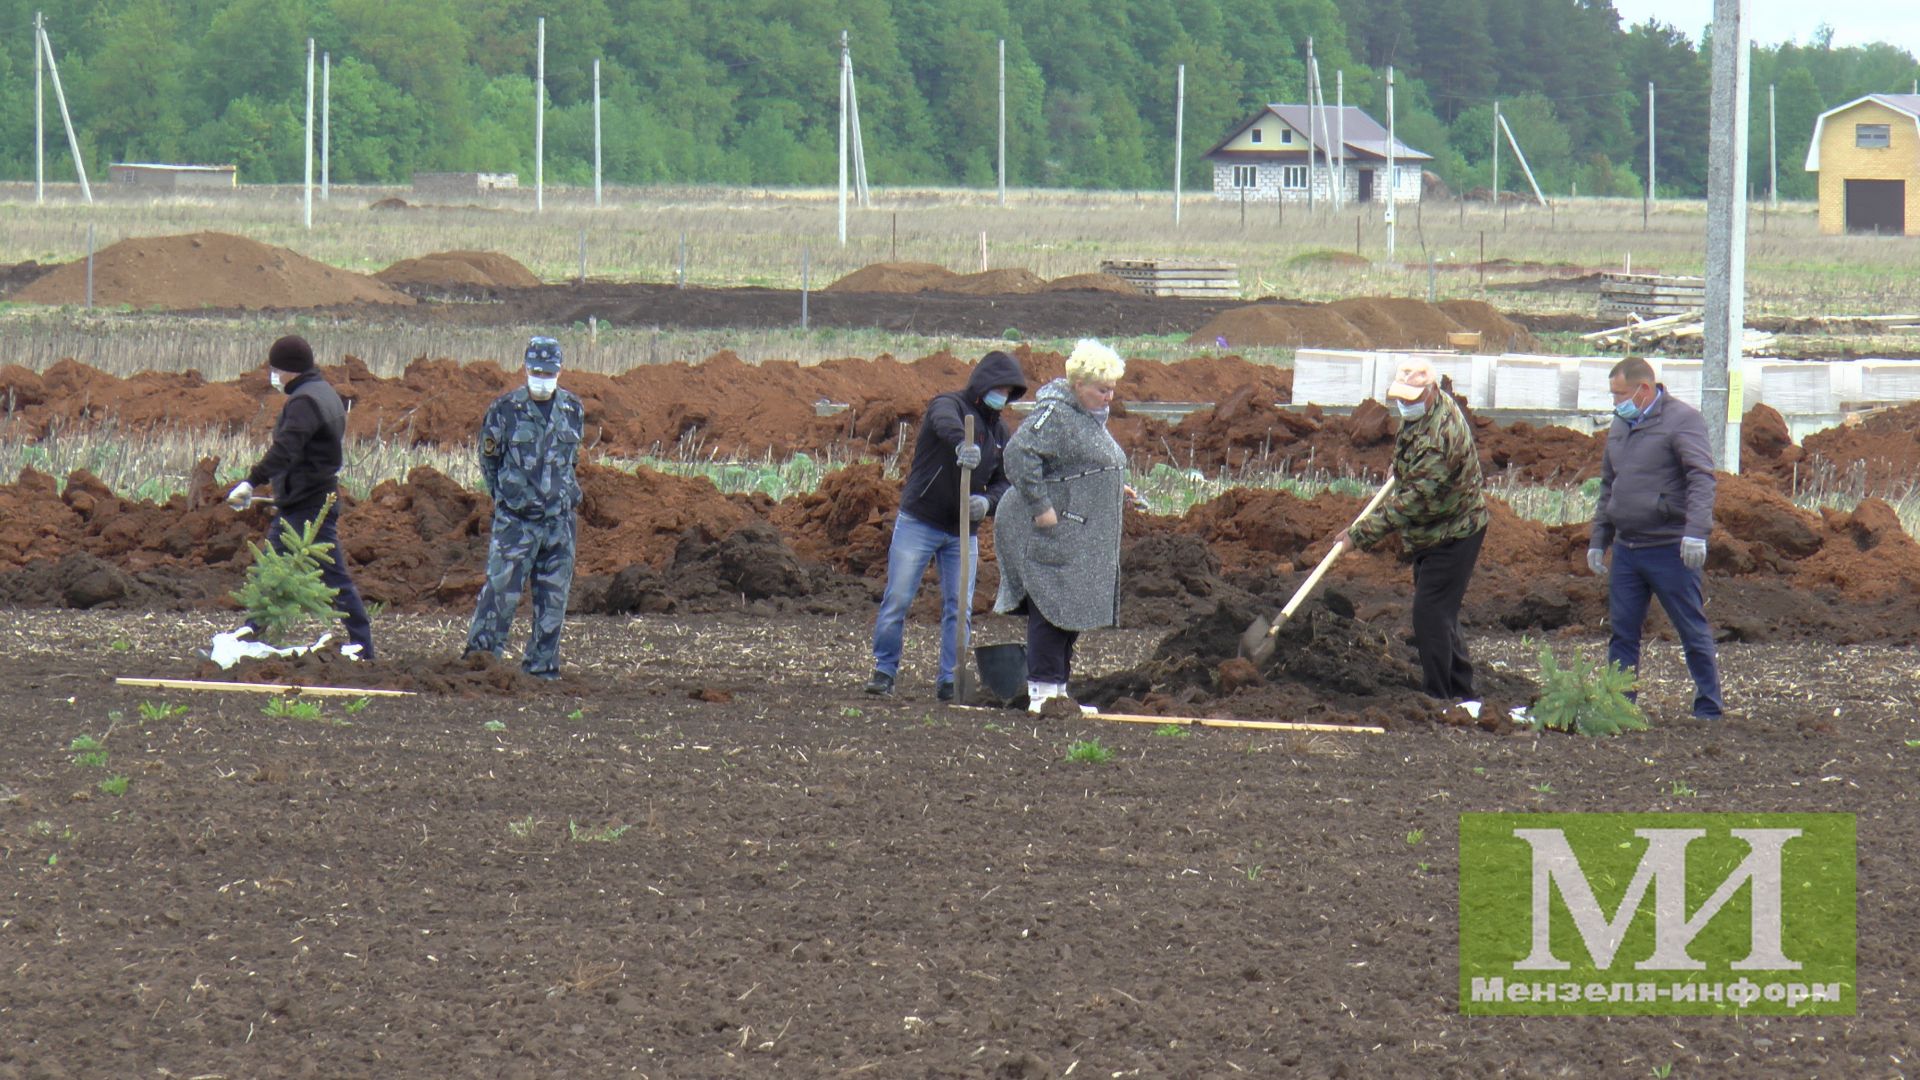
[[1854, 22]]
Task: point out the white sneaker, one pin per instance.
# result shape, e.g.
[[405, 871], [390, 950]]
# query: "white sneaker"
[[1039, 692]]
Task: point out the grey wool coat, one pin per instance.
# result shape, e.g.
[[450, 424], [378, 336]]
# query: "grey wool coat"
[[1062, 457]]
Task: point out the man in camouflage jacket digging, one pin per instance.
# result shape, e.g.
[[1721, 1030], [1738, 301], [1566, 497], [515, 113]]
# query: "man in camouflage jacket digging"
[[1439, 508], [529, 447]]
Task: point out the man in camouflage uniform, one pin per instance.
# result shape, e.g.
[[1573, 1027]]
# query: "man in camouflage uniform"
[[529, 446], [1439, 508]]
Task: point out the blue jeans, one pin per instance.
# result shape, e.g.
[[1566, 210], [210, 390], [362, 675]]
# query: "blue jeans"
[[915, 544], [1640, 574]]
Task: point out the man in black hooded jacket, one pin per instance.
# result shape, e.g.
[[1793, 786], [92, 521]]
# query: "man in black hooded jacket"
[[303, 469], [928, 526]]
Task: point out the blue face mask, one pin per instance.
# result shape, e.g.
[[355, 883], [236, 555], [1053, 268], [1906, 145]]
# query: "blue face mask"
[[994, 400], [1411, 410], [1627, 411]]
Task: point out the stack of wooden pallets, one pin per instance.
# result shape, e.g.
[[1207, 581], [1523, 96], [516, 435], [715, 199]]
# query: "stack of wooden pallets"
[[1177, 277]]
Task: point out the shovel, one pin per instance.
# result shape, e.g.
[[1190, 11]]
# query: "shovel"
[[1258, 639], [962, 630]]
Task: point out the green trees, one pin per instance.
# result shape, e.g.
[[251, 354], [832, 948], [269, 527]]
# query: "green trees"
[[747, 91]]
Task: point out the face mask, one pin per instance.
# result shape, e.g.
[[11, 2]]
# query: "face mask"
[[1629, 410], [541, 387], [1411, 410], [994, 400], [273, 377], [1102, 414]]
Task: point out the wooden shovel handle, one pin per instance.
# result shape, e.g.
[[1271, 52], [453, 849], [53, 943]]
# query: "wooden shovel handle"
[[1306, 588]]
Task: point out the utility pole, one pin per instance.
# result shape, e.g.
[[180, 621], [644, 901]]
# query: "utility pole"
[[306, 198], [1652, 134], [1773, 153], [1003, 121], [1723, 367], [1496, 154], [845, 62], [326, 125], [39, 112], [1179, 131], [540, 118], [66, 118], [596, 134], [1340, 142], [1313, 130], [1393, 170]]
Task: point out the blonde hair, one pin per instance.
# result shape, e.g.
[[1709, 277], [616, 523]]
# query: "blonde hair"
[[1094, 362]]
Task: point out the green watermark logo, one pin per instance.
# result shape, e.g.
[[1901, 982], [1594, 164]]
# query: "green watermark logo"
[[1657, 914]]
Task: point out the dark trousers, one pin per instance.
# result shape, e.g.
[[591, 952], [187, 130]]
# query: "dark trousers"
[[1640, 574], [1440, 577], [1049, 648], [333, 571]]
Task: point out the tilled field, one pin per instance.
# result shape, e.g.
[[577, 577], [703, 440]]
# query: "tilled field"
[[613, 876]]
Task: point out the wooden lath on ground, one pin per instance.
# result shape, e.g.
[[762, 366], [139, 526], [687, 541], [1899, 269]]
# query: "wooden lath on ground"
[[1682, 333], [1177, 277], [261, 688], [1651, 296]]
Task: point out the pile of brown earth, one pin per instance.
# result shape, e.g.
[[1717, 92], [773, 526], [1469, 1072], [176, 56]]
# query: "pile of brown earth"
[[721, 405], [657, 543], [205, 270], [927, 277], [460, 270], [1364, 323], [1880, 453]]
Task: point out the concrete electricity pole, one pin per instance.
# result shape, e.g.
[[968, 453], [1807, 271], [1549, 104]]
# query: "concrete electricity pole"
[[306, 187], [1722, 370], [540, 118], [1003, 121]]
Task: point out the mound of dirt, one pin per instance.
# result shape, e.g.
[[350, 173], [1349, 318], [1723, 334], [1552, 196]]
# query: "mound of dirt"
[[1363, 323], [206, 270], [1885, 443], [392, 202], [1345, 259], [461, 269], [1013, 281], [909, 277], [1326, 667], [1092, 282]]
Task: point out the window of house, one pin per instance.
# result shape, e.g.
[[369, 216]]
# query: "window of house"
[[1256, 135], [1286, 135], [1245, 176], [1293, 177], [1872, 136]]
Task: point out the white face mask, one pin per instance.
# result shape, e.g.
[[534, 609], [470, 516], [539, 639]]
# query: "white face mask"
[[273, 376], [541, 387], [1411, 410]]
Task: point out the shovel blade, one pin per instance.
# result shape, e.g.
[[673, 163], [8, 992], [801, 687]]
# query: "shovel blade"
[[1257, 642]]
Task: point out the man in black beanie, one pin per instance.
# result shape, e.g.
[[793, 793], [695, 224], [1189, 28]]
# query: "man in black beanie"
[[303, 468]]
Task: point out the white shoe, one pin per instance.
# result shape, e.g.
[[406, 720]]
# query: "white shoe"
[[1039, 692]]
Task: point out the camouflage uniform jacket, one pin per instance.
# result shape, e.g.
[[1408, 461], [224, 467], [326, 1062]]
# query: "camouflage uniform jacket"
[[528, 460], [1438, 493]]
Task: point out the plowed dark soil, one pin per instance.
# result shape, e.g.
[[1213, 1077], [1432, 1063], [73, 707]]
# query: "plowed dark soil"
[[705, 854]]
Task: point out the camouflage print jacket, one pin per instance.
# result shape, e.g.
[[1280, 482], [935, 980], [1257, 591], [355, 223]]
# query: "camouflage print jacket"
[[528, 461], [1438, 493]]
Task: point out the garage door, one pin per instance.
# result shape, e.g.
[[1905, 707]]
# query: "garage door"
[[1877, 206]]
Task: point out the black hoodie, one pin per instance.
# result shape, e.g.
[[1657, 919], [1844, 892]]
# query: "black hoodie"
[[932, 491]]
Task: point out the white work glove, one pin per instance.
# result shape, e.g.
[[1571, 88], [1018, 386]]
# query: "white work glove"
[[241, 496], [968, 455], [1693, 552], [976, 508], [1597, 562]]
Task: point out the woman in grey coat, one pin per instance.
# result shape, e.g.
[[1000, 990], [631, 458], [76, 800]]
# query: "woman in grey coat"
[[1057, 532]]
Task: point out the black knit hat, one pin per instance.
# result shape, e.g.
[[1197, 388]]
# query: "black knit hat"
[[291, 354]]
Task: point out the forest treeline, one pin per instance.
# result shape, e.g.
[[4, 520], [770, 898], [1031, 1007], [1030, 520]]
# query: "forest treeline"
[[745, 91]]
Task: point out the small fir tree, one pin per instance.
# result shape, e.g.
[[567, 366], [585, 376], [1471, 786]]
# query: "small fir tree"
[[284, 588], [1585, 697]]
